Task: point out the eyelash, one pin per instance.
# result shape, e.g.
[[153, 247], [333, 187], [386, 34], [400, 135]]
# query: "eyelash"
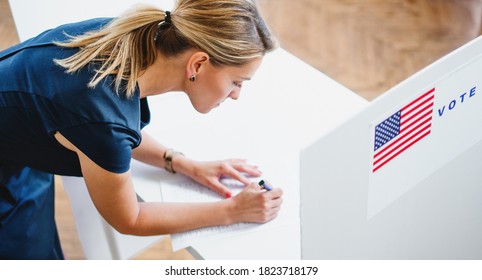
[[236, 84]]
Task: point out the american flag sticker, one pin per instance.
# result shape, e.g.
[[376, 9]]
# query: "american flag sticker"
[[403, 129]]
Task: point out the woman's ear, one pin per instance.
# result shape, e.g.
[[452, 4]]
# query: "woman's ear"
[[196, 63]]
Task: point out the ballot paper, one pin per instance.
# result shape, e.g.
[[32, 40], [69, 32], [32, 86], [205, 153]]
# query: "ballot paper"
[[183, 189]]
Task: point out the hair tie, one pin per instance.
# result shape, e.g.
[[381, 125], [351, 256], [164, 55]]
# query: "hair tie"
[[167, 18], [166, 23]]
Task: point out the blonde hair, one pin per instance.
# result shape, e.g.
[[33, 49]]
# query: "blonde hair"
[[231, 32]]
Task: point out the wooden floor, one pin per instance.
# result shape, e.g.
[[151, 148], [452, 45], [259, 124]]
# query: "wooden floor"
[[369, 46]]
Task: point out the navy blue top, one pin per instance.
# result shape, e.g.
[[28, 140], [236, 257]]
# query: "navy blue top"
[[37, 98]]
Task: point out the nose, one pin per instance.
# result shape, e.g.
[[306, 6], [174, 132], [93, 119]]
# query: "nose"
[[235, 94]]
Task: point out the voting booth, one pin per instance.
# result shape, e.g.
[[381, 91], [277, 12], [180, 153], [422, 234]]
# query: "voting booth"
[[396, 178], [402, 179]]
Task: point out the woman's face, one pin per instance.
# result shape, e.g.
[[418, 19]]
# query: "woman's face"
[[214, 84]]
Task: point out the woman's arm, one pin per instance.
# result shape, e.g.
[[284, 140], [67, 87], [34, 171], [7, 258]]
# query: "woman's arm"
[[205, 173], [150, 151], [114, 197]]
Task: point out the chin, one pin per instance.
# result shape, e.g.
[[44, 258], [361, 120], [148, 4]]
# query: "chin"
[[203, 110]]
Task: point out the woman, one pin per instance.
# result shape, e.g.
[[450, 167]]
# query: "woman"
[[73, 102]]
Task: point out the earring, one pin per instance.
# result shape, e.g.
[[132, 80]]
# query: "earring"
[[193, 78]]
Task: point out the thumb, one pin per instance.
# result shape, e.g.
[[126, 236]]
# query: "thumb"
[[254, 186]]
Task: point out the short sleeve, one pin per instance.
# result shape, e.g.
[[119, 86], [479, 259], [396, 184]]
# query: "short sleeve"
[[108, 145]]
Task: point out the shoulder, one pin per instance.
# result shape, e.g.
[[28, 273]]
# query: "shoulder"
[[59, 34], [81, 27], [65, 31]]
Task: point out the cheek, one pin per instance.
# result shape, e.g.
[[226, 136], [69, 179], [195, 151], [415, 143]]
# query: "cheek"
[[218, 91]]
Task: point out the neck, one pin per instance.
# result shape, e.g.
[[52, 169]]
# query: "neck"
[[165, 75]]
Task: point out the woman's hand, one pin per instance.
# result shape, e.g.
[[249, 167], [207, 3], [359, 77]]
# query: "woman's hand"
[[206, 173], [210, 173], [255, 205]]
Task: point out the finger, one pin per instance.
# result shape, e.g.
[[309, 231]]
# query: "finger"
[[274, 193], [276, 203], [269, 215], [274, 210], [235, 174], [221, 189], [241, 165], [273, 204], [272, 216], [238, 160], [254, 186], [251, 170]]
